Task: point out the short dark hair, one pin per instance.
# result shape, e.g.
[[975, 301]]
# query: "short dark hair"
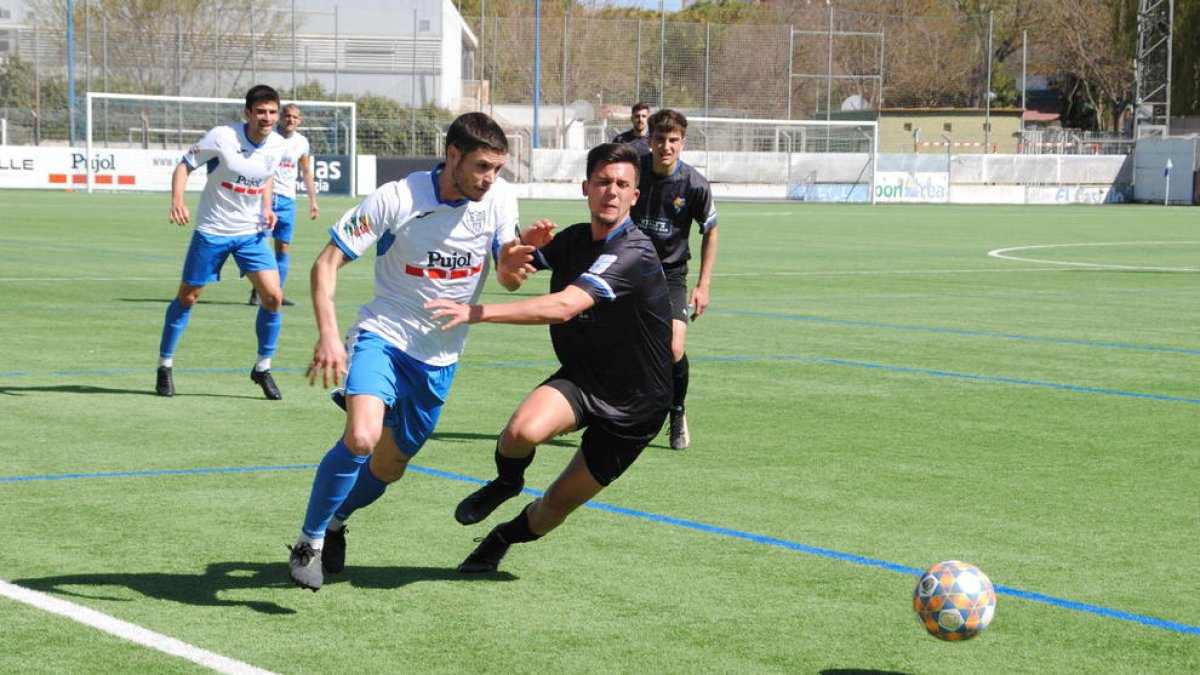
[[668, 120], [260, 93], [614, 153], [640, 105], [290, 106], [474, 130]]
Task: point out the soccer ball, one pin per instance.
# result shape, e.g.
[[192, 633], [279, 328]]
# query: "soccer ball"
[[954, 600]]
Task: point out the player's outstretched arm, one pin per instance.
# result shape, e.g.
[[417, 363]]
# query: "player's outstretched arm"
[[557, 307], [179, 210], [329, 362], [515, 264]]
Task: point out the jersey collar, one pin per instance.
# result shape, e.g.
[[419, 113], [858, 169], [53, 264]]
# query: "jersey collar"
[[627, 223], [246, 135], [437, 192]]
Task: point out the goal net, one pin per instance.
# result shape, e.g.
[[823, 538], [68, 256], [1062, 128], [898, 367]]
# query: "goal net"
[[826, 161], [135, 141]]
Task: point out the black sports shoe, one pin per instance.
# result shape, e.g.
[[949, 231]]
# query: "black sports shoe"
[[480, 503], [164, 383], [338, 396], [304, 563], [333, 556], [253, 298], [486, 557], [288, 303], [679, 429], [263, 379]]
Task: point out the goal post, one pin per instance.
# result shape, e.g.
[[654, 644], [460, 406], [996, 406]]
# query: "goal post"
[[131, 135], [826, 161]]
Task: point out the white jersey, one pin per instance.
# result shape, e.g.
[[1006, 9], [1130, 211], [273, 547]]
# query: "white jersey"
[[232, 203], [287, 176], [425, 248]]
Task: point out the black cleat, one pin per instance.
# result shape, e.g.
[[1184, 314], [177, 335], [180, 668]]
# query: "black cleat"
[[164, 383], [263, 379], [338, 396], [679, 429], [253, 298], [304, 563], [288, 303], [333, 555], [486, 557], [480, 503]]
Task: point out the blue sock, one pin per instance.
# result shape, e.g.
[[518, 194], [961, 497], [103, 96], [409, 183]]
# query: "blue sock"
[[335, 477], [366, 490], [173, 325], [267, 325], [281, 260]]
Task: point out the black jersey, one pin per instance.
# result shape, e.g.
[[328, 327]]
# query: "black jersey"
[[631, 136], [619, 350], [667, 207]]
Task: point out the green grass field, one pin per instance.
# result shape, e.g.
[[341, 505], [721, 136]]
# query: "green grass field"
[[871, 393]]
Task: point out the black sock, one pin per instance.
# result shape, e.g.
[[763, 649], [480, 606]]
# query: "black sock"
[[516, 531], [679, 375], [511, 470]]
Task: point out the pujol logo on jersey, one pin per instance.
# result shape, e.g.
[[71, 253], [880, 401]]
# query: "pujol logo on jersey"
[[442, 265]]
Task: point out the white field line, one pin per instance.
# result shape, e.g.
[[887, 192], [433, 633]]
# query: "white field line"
[[1003, 253], [129, 631]]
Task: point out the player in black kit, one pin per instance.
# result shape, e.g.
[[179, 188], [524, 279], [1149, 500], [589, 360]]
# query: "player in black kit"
[[673, 196], [610, 324], [639, 135]]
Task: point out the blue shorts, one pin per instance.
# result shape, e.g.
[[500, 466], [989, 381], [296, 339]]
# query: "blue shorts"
[[285, 211], [414, 392], [207, 253]]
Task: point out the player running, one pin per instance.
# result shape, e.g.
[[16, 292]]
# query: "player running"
[[234, 218], [434, 234]]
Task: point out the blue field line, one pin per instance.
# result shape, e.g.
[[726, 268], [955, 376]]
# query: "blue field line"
[[139, 371], [962, 376], [956, 331], [687, 524]]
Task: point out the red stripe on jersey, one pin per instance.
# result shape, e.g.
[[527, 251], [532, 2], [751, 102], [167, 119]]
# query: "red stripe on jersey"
[[437, 273]]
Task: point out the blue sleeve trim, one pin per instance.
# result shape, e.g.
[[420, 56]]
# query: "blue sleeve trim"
[[334, 238]]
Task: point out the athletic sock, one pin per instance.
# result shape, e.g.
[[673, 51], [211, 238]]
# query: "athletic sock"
[[263, 363], [281, 260], [679, 375], [517, 531], [511, 470], [367, 488], [173, 325], [267, 326], [335, 477]]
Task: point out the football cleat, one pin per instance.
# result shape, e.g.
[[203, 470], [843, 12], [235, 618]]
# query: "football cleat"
[[263, 379], [304, 563], [679, 429], [164, 383], [338, 396], [480, 503], [486, 557], [253, 298], [333, 555]]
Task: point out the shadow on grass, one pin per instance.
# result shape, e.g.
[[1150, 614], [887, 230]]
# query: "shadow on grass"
[[859, 671], [202, 301], [490, 439], [205, 590], [88, 389]]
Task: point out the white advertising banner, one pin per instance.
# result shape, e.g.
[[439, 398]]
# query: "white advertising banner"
[[912, 186], [63, 168]]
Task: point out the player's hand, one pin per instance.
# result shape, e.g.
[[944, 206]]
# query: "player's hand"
[[269, 220], [180, 215], [699, 301], [516, 260], [314, 210], [538, 234], [328, 363], [448, 313]]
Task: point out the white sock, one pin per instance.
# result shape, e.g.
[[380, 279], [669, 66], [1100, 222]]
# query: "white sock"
[[336, 525], [264, 363], [316, 544], [165, 362]]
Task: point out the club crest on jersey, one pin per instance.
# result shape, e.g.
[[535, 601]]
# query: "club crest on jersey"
[[474, 220], [357, 225], [679, 204]]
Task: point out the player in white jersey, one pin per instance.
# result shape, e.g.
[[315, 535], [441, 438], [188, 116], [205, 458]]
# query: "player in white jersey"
[[435, 234], [234, 217], [295, 163]]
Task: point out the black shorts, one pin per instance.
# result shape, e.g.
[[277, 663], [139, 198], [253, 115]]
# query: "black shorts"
[[677, 286], [609, 446]]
